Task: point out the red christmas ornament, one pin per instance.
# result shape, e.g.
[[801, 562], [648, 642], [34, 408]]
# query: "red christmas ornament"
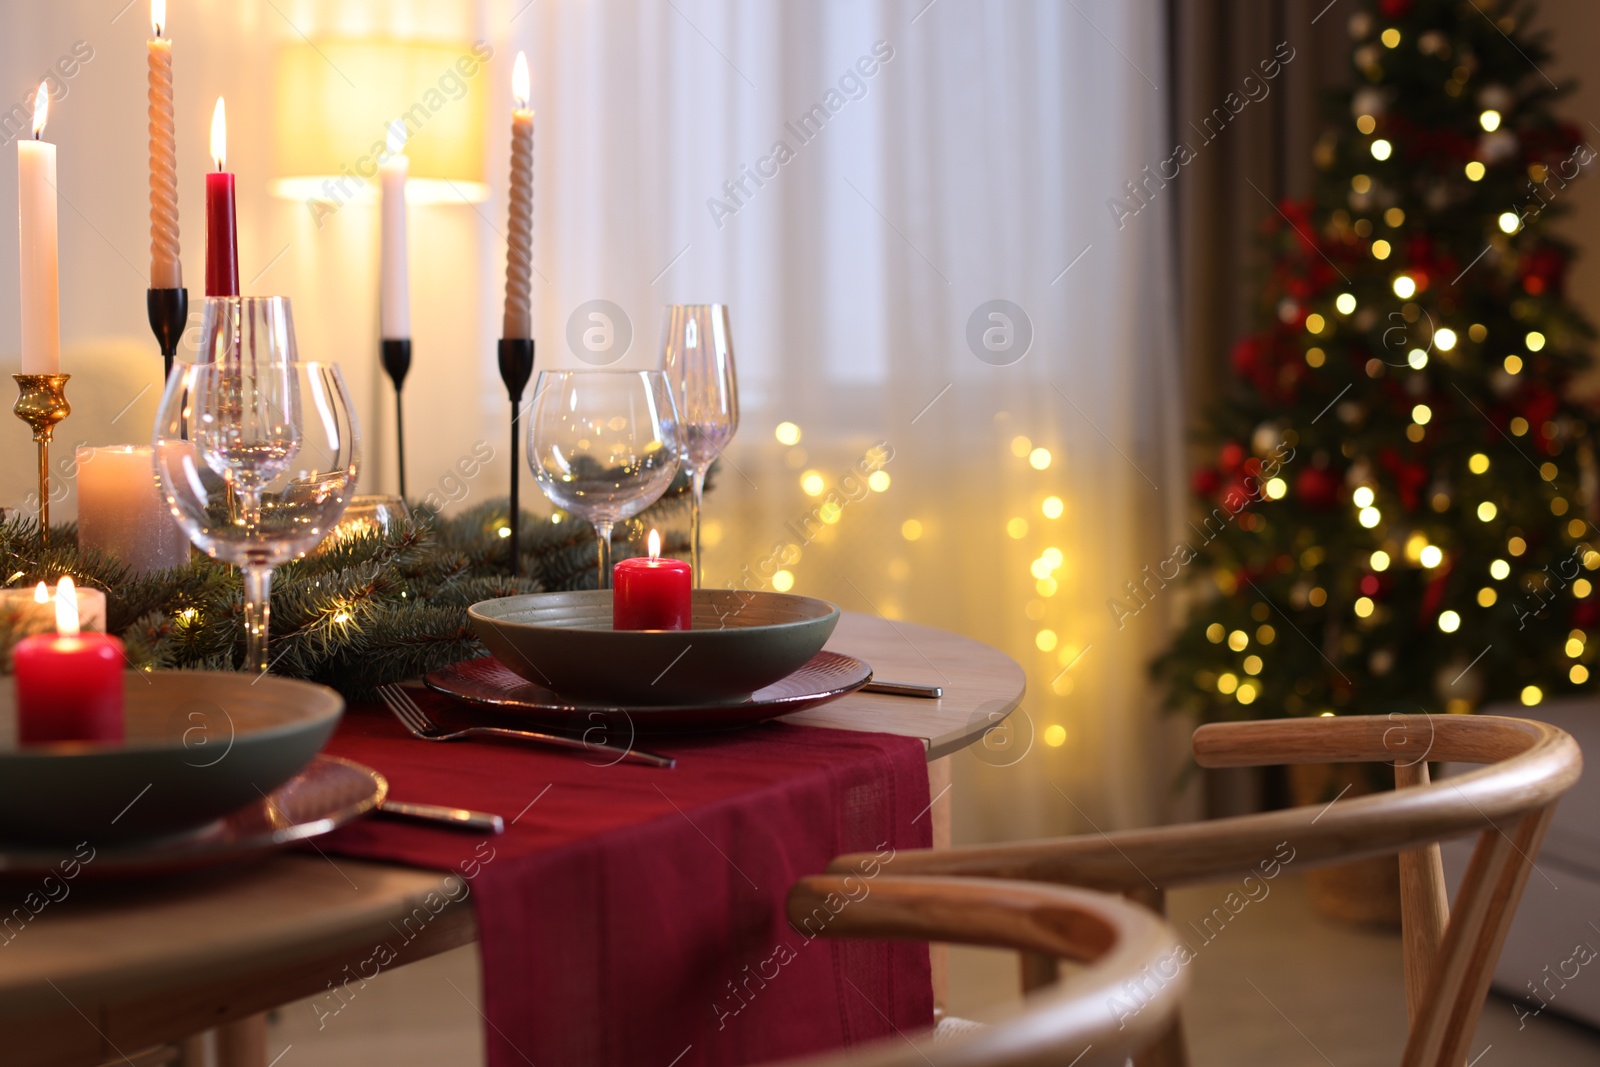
[[1544, 270], [1317, 489], [1231, 457]]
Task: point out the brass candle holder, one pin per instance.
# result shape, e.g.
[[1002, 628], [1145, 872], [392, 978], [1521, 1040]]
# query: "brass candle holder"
[[41, 403]]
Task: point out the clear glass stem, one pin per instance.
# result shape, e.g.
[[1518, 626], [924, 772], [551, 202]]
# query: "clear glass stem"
[[697, 492], [257, 613], [602, 540]]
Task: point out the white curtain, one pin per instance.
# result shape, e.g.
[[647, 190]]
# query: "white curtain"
[[937, 156]]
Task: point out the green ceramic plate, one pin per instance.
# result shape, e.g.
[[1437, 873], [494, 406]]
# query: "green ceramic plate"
[[740, 642], [199, 745]]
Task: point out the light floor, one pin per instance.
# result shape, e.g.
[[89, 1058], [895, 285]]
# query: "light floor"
[[1278, 986]]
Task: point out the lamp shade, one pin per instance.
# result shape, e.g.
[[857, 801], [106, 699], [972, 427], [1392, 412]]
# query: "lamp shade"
[[338, 97]]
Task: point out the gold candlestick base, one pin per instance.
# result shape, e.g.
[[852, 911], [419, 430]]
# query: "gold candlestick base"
[[41, 403]]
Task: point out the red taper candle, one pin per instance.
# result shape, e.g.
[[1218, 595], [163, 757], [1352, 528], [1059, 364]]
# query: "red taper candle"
[[69, 684], [651, 593], [222, 231]]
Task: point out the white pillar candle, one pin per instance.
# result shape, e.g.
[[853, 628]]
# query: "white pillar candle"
[[36, 218], [120, 510], [394, 297]]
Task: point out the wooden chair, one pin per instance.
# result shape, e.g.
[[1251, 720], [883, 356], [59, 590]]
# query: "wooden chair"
[[1449, 955], [1126, 996]]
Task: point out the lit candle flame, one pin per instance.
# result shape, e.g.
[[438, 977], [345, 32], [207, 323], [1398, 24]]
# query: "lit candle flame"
[[219, 136], [398, 136], [41, 110], [41, 594], [519, 82], [158, 15], [655, 545], [66, 608]]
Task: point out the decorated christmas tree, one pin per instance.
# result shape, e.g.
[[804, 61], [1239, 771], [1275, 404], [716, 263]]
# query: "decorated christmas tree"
[[1398, 514]]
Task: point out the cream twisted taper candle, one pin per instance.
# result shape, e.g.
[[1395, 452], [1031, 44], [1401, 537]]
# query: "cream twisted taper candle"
[[519, 233], [166, 270]]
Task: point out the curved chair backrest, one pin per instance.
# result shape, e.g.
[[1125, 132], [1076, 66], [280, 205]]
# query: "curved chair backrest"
[[1449, 957], [1126, 997]]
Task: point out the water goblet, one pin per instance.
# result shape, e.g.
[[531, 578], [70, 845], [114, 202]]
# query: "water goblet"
[[697, 355], [603, 444]]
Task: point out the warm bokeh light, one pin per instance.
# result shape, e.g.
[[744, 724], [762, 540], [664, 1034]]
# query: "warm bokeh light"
[[1422, 414], [1379, 560], [911, 530], [783, 581], [1487, 511], [1531, 695], [1363, 496], [1382, 149], [787, 433], [1369, 517], [1214, 633], [1513, 364], [1417, 358], [1238, 640], [878, 481], [1055, 735], [1499, 570], [1430, 556], [812, 483], [1475, 171], [1315, 322], [1363, 607], [1345, 302], [1045, 640], [1478, 464], [1381, 249], [1405, 287], [1017, 528], [1489, 120], [1449, 621], [1039, 459], [1534, 341], [1444, 338], [1021, 446], [1053, 507]]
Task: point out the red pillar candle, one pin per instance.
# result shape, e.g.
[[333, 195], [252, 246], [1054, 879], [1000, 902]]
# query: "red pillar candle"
[[222, 231], [69, 684], [651, 593]]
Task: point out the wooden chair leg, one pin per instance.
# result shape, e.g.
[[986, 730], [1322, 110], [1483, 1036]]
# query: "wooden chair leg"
[[243, 1043], [1424, 904], [1169, 1051], [1038, 971]]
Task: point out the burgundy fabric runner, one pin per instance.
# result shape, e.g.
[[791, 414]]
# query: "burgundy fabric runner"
[[635, 916]]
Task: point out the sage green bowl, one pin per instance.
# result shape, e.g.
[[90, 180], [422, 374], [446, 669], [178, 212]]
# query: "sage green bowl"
[[198, 745], [740, 642]]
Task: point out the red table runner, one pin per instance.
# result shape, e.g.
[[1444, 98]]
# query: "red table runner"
[[631, 915]]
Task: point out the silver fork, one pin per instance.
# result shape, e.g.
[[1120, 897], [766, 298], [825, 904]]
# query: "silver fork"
[[420, 725]]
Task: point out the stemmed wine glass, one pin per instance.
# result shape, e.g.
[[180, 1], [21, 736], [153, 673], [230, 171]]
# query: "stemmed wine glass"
[[603, 444], [697, 354], [256, 454]]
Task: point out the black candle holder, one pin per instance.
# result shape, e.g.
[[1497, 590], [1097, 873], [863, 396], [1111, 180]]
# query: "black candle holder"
[[396, 364], [516, 367], [169, 316]]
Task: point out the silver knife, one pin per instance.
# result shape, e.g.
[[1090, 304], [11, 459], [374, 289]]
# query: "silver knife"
[[451, 818], [904, 689]]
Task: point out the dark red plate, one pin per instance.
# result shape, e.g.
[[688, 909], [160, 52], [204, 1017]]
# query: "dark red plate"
[[489, 683]]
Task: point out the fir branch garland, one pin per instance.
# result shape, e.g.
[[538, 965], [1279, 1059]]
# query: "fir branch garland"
[[365, 609]]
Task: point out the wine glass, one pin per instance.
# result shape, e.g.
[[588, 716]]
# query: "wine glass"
[[603, 444], [697, 354], [256, 456]]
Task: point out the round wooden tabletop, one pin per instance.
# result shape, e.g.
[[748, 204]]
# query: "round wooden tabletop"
[[124, 966]]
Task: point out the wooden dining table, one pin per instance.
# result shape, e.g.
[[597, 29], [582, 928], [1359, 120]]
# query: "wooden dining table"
[[129, 971]]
